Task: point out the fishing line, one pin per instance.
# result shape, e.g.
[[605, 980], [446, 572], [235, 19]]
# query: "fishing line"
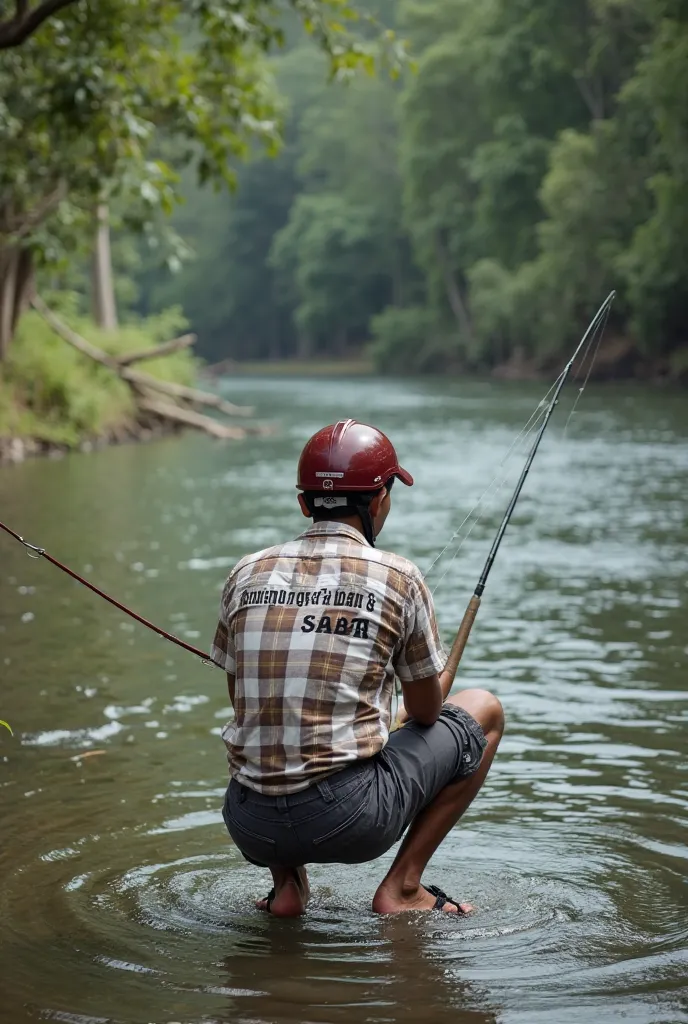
[[598, 327], [482, 513], [600, 334], [531, 425], [466, 626]]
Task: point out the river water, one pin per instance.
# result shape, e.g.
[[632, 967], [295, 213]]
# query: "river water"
[[122, 899]]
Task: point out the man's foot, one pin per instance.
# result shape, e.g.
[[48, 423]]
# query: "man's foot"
[[291, 890], [392, 900]]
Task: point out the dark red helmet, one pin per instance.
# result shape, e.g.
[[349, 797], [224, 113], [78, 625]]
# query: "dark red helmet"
[[349, 456]]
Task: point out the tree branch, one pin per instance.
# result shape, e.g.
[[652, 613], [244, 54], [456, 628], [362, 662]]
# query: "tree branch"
[[188, 418], [25, 21], [141, 382], [16, 227], [186, 394], [70, 336], [160, 350], [594, 103]]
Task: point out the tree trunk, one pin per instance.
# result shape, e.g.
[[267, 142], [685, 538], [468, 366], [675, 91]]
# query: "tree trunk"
[[454, 296], [104, 304], [16, 286], [305, 345]]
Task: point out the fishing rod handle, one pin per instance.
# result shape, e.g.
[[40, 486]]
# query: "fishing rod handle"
[[462, 636]]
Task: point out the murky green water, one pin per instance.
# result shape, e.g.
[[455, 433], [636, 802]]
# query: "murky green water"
[[122, 899]]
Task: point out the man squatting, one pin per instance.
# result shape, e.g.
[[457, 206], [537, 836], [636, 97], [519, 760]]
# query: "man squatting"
[[311, 635]]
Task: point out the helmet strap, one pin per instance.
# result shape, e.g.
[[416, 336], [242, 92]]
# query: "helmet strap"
[[367, 523]]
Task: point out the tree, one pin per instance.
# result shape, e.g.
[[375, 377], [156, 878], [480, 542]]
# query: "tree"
[[86, 98], [26, 19], [544, 153], [343, 254]]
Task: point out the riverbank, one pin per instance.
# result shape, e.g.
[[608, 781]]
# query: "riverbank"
[[14, 450], [54, 400]]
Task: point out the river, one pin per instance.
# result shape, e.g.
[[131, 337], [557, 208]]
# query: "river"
[[122, 899]]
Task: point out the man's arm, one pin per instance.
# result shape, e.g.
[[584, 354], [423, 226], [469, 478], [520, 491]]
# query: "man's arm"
[[424, 690], [230, 686], [423, 699]]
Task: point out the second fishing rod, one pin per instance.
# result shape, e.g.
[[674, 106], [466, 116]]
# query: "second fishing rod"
[[464, 631]]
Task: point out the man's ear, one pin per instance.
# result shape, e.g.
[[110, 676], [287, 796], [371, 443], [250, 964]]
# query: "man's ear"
[[304, 507], [376, 503]]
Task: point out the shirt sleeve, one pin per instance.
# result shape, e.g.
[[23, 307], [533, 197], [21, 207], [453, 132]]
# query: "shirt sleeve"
[[222, 648], [422, 653]]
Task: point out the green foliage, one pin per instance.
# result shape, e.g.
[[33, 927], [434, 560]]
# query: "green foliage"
[[109, 101], [51, 392], [342, 254], [410, 340], [474, 213]]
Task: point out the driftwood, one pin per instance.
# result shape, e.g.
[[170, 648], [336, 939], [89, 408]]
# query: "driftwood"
[[160, 350], [72, 338], [189, 418], [178, 411], [185, 393]]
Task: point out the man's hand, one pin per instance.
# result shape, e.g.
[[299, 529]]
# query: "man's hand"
[[402, 717]]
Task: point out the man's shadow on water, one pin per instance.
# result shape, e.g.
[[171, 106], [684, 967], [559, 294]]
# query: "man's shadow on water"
[[386, 972]]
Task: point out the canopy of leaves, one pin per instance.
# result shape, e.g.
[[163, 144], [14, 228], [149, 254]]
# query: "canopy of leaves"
[[110, 101], [473, 214]]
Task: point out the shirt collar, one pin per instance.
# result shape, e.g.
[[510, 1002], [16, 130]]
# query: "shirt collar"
[[331, 528]]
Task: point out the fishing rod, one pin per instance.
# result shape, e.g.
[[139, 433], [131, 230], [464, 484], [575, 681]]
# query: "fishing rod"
[[36, 552], [474, 603], [466, 626]]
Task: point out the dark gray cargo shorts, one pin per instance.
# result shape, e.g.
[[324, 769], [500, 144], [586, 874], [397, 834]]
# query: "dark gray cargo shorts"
[[359, 812]]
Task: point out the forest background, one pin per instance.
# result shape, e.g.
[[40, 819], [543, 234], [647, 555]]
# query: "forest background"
[[471, 214], [462, 208]]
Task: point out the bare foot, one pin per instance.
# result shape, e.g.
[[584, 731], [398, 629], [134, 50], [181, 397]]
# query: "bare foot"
[[292, 893], [392, 900]]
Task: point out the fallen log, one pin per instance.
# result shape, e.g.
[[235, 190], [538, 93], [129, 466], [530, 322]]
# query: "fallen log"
[[187, 394], [142, 384], [72, 338], [160, 350], [189, 418]]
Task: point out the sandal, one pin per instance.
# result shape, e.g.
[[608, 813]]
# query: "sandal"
[[441, 899], [268, 900]]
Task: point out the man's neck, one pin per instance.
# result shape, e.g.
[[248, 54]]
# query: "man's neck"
[[353, 521]]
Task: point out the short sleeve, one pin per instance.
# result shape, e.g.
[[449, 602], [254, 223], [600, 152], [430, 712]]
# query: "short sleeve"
[[222, 649], [422, 654]]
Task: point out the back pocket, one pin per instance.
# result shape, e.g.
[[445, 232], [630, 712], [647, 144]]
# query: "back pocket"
[[342, 826], [233, 823]]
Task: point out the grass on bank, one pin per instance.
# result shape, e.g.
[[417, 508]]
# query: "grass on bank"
[[51, 393]]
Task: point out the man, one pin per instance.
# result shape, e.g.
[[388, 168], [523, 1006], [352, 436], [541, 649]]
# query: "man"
[[311, 636]]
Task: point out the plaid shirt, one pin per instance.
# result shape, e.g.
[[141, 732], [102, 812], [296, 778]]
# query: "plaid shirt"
[[313, 632]]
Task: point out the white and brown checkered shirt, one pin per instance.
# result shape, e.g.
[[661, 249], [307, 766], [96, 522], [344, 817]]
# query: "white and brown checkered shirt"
[[313, 632]]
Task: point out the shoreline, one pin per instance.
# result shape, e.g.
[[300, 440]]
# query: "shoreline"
[[16, 450], [616, 363]]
